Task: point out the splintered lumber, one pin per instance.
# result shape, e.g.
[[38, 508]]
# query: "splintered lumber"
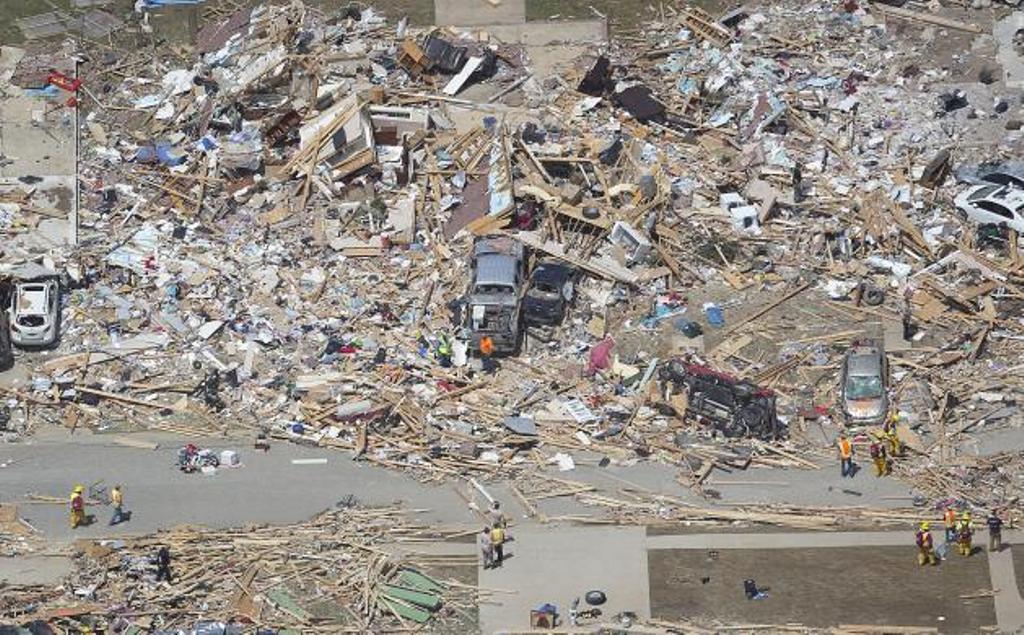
[[768, 307], [281, 575], [136, 443], [125, 399], [928, 18], [603, 269], [880, 630]]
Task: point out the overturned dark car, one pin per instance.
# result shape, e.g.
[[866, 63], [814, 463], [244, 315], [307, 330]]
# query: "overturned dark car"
[[733, 407], [549, 294]]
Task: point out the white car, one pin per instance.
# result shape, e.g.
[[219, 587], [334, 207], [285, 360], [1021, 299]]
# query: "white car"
[[34, 312], [1001, 205]]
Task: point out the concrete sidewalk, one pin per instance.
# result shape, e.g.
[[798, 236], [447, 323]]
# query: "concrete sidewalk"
[[556, 564], [1009, 605]]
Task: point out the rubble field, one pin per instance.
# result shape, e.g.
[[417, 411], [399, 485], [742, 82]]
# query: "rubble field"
[[715, 242]]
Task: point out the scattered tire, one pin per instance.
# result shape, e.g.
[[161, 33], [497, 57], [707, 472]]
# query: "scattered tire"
[[595, 598], [873, 296]]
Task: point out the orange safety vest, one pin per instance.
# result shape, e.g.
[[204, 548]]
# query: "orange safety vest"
[[845, 449], [949, 517], [486, 346]]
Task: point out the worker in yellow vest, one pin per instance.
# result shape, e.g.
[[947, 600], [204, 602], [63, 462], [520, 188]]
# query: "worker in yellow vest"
[[498, 543], [877, 451], [77, 506], [925, 546], [964, 533], [117, 501], [892, 435]]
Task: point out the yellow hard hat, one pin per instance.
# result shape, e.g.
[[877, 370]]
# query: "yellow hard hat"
[[925, 526], [78, 489], [966, 516]]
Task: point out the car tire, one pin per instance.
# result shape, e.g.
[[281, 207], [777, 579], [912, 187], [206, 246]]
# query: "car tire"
[[595, 598], [873, 296]]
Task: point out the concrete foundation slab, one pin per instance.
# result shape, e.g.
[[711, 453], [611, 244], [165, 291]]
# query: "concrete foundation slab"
[[475, 12], [546, 566], [541, 33], [1008, 56]]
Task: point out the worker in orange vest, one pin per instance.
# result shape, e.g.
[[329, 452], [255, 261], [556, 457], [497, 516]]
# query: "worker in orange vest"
[[486, 350], [925, 547], [949, 519], [845, 456]]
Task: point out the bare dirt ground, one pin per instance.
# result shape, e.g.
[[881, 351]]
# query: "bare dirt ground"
[[822, 587]]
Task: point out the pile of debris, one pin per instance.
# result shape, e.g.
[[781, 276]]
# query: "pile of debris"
[[339, 572], [319, 226]]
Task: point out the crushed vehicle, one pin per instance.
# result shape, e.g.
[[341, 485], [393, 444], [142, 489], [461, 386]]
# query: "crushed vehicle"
[[493, 304], [6, 349], [34, 312], [998, 173], [1000, 205], [733, 407], [864, 385], [549, 294]]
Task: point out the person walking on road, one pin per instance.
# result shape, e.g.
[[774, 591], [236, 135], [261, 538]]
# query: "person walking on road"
[[163, 564], [845, 456], [498, 543], [486, 355], [907, 312], [877, 451], [117, 500], [964, 533], [444, 351], [925, 546], [892, 435], [497, 516], [486, 548], [949, 519], [995, 531], [77, 506]]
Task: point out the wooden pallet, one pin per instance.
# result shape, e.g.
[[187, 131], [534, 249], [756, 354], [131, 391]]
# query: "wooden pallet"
[[706, 27]]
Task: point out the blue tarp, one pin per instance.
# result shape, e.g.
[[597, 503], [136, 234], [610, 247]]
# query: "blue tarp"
[[163, 152], [49, 92], [151, 4]]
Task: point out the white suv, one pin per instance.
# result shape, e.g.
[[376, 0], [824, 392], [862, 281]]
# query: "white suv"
[[1001, 205], [34, 311]]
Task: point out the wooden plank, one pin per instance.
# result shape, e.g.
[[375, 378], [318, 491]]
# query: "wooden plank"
[[786, 297], [136, 443], [928, 18], [125, 399], [730, 347], [243, 600]]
